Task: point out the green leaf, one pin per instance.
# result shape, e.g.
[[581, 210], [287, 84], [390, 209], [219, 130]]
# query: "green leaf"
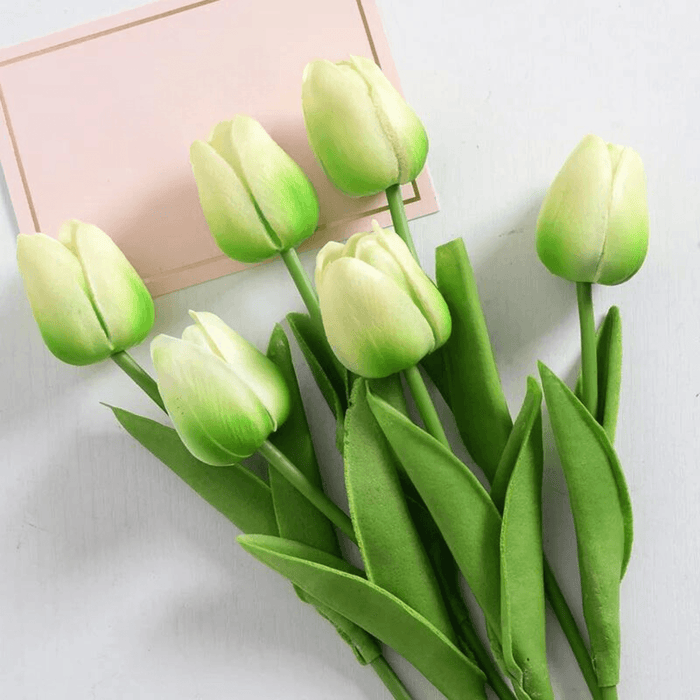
[[609, 360], [462, 509], [609, 371], [523, 426], [234, 491], [464, 369], [297, 518], [391, 390], [391, 548], [335, 584], [331, 377], [522, 583], [602, 516]]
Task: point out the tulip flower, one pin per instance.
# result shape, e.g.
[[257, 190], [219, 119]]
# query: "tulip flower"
[[360, 128], [223, 395], [87, 299], [594, 222], [255, 198], [380, 311]]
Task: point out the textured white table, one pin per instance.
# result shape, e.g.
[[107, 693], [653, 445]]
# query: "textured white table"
[[117, 582]]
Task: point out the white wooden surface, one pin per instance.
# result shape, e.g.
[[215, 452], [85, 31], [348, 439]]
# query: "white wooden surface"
[[117, 582]]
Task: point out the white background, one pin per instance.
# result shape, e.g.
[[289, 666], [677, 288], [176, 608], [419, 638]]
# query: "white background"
[[117, 582]]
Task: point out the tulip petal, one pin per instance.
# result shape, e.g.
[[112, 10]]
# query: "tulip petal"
[[368, 248], [344, 130], [221, 140], [423, 292], [279, 187], [216, 415], [628, 223], [373, 325], [254, 369], [400, 123], [60, 300], [195, 335], [330, 252], [119, 295], [228, 208], [573, 221]]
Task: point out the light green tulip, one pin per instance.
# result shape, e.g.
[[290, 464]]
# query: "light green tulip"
[[380, 311], [360, 128], [255, 198], [594, 221], [87, 299], [223, 395]]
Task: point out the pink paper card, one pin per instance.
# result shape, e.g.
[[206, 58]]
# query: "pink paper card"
[[97, 120]]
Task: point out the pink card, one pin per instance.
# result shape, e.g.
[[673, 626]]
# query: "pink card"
[[97, 120]]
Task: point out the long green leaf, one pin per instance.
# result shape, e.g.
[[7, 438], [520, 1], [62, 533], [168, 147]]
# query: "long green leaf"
[[522, 583], [609, 361], [391, 548], [234, 491], [609, 371], [386, 617], [297, 518], [462, 509], [331, 377], [602, 516], [464, 369], [522, 427]]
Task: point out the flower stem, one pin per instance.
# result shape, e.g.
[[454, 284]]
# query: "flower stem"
[[139, 375], [552, 590], [589, 360], [398, 216], [425, 405], [556, 599], [303, 283], [277, 460], [390, 679], [609, 693]]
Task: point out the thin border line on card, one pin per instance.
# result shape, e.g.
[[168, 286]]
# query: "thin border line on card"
[[129, 25], [106, 32], [365, 24], [20, 165]]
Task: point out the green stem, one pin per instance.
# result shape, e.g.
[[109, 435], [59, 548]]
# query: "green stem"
[[139, 375], [589, 359], [398, 217], [277, 460], [553, 591], [303, 284], [609, 693], [425, 405], [568, 624], [390, 679]]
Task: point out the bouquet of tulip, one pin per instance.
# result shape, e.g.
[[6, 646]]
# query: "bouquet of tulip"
[[423, 522]]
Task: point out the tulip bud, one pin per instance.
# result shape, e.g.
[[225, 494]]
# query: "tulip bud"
[[360, 128], [594, 222], [87, 299], [255, 198], [223, 395], [380, 311]]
